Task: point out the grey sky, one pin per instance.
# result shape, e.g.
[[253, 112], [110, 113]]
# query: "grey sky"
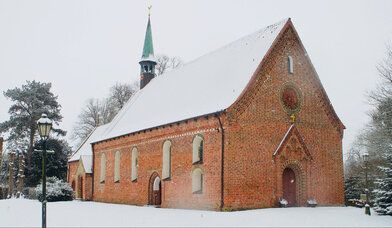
[[84, 47]]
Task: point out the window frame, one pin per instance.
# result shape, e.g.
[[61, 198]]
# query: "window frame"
[[291, 64], [197, 171], [198, 150], [103, 168], [134, 164], [117, 166], [166, 156]]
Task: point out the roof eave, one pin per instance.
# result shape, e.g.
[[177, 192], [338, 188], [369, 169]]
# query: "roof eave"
[[150, 128]]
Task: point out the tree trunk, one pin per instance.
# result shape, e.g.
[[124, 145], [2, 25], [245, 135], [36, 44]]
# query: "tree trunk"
[[31, 145], [11, 175], [20, 176]]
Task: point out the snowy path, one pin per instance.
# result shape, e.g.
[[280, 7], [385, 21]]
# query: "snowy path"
[[23, 212]]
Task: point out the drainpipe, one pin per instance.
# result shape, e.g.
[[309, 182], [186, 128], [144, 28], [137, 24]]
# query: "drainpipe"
[[222, 160], [93, 173]]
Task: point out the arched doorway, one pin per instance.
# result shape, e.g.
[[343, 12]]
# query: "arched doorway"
[[290, 187], [154, 189]]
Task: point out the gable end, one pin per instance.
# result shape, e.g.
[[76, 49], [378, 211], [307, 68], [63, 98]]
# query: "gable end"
[[293, 130], [260, 77]]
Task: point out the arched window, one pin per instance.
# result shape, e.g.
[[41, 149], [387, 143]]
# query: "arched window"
[[291, 67], [197, 181], [103, 162], [166, 168], [198, 149], [134, 164], [117, 166]]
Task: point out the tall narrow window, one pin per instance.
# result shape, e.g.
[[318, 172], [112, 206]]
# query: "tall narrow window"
[[117, 166], [198, 149], [291, 67], [134, 164], [197, 181], [166, 168], [103, 162]]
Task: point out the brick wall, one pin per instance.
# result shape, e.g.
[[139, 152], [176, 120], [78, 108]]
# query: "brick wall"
[[176, 192], [257, 124], [75, 174], [72, 166]]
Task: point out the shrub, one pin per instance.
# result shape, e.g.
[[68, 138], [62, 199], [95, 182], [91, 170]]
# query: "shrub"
[[56, 190]]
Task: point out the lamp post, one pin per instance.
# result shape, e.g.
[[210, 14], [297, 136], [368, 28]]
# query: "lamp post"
[[366, 160], [44, 126]]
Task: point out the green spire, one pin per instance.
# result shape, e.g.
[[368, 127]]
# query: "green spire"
[[148, 49]]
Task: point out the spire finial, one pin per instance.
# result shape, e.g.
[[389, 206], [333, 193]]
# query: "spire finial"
[[149, 10]]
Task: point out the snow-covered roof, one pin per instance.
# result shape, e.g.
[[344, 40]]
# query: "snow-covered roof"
[[85, 147], [291, 131], [284, 139], [206, 85], [87, 163], [150, 58]]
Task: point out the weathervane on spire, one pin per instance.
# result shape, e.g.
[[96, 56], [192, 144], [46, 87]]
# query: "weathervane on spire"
[[149, 10]]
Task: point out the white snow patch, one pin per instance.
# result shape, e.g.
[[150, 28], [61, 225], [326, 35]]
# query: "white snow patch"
[[27, 213], [87, 163], [284, 138], [206, 85], [85, 149], [283, 202]]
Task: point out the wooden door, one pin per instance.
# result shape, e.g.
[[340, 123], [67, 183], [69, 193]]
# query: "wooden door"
[[157, 196], [289, 187]]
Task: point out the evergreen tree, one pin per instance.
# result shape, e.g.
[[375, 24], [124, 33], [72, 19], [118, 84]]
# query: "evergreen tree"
[[30, 101], [375, 139], [383, 191], [56, 165], [353, 188]]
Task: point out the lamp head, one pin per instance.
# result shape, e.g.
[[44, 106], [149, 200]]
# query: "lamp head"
[[365, 157], [44, 126]]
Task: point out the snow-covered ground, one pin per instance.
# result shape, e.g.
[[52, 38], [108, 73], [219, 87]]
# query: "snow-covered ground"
[[27, 213]]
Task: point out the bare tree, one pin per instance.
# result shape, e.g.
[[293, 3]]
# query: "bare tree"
[[385, 67], [165, 63], [121, 92], [98, 112], [95, 113], [384, 89], [376, 137]]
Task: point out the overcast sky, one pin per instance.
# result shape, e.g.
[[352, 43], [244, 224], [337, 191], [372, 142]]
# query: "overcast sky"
[[84, 47]]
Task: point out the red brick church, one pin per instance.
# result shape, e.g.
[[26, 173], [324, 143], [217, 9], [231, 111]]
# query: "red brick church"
[[242, 127]]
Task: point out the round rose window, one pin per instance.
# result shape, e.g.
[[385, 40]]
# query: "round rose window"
[[290, 98]]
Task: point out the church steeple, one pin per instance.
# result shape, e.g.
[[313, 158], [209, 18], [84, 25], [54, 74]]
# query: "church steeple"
[[147, 63], [148, 49]]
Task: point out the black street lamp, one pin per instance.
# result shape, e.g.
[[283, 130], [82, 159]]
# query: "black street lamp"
[[366, 160], [44, 126]]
